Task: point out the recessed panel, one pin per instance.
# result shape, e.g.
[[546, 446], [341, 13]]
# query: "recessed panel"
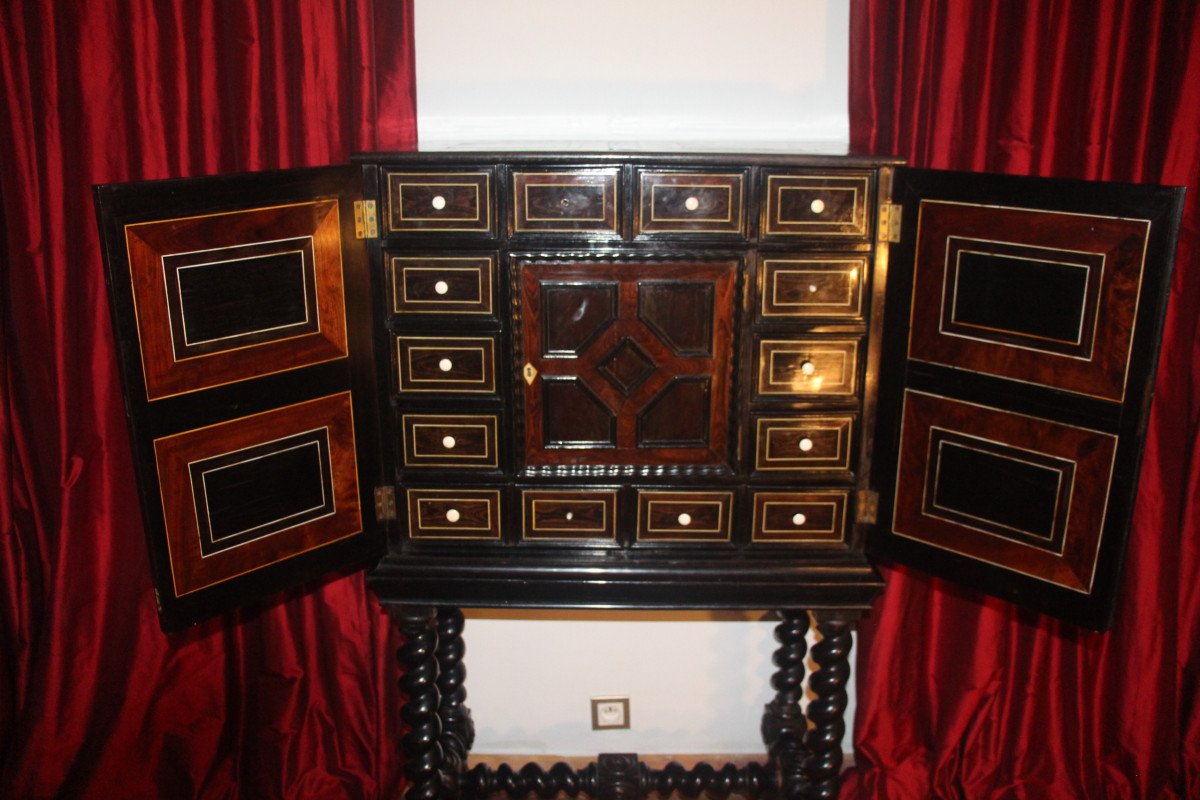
[[812, 287], [442, 284], [1019, 492], [690, 203], [218, 302], [449, 202], [450, 440], [456, 514], [817, 205], [575, 314], [1040, 297], [678, 415], [815, 516], [454, 364], [680, 313], [684, 516], [808, 367], [572, 201], [573, 416], [569, 515], [256, 490], [808, 442]]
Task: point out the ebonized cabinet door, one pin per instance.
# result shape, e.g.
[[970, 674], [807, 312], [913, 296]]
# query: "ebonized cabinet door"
[[249, 389], [1023, 324]]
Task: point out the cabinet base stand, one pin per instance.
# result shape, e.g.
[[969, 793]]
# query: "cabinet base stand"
[[804, 750]]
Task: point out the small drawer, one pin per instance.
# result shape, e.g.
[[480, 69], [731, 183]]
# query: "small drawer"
[[812, 287], [679, 202], [575, 201], [788, 517], [565, 515], [445, 364], [808, 367], [684, 516], [454, 514], [812, 204], [450, 440], [803, 443], [442, 284], [439, 201]]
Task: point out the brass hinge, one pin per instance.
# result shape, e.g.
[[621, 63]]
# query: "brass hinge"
[[366, 224], [889, 222], [867, 507], [385, 503]]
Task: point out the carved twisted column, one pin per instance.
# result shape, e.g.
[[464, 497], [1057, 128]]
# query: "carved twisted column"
[[826, 711], [784, 725], [458, 729], [421, 742]]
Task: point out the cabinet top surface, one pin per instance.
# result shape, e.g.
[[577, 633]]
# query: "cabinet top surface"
[[649, 155]]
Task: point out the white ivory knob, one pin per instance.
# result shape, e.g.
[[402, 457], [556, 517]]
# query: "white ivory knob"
[[448, 442], [441, 287], [685, 519], [691, 204], [817, 206], [445, 365], [808, 368], [438, 202], [570, 515], [812, 288], [806, 444], [452, 515], [799, 519]]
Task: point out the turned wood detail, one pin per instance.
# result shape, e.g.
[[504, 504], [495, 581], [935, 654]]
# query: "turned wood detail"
[[826, 711], [458, 729], [784, 725], [804, 752], [421, 740]]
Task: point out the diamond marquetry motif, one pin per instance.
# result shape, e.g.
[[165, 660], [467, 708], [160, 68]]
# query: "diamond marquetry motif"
[[627, 366]]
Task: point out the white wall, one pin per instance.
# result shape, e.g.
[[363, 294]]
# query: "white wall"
[[719, 74]]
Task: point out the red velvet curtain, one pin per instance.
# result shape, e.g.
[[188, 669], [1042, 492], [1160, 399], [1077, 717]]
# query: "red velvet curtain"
[[961, 696], [296, 699]]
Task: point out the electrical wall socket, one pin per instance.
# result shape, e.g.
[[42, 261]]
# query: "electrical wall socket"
[[610, 713]]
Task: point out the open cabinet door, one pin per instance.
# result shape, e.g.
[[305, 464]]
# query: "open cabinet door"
[[249, 389], [1023, 325]]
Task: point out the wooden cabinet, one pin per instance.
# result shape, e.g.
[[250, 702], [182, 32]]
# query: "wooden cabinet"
[[637, 380]]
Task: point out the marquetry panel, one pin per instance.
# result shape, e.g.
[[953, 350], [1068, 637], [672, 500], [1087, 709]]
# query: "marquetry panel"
[[804, 443], [257, 490], [1019, 492], [569, 515], [808, 367], [626, 362], [574, 201], [684, 516], [458, 513], [827, 286], [450, 440], [817, 516], [1041, 297], [218, 302], [439, 202], [455, 364], [814, 204], [679, 202], [442, 284]]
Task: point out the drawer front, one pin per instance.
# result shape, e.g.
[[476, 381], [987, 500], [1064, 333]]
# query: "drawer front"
[[442, 284], [803, 443], [454, 514], [812, 287], [566, 515], [446, 364], [684, 516], [812, 204], [786, 517], [439, 201], [575, 201], [676, 202], [450, 440], [808, 367]]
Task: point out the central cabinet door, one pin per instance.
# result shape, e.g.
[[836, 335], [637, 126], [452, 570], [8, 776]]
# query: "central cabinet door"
[[626, 362]]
